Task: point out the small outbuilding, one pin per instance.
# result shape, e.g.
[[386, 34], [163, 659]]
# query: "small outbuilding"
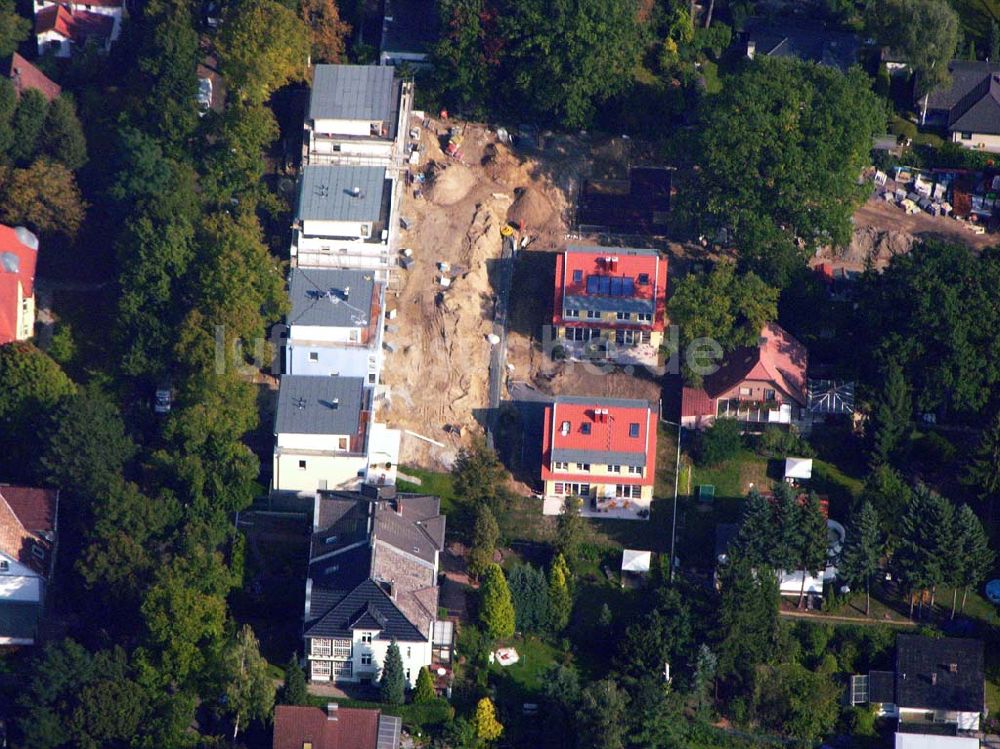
[[798, 469], [635, 564]]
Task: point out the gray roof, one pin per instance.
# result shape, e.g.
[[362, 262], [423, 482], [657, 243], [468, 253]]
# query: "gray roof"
[[591, 249], [979, 110], [341, 193], [389, 729], [966, 75], [417, 529], [609, 304], [597, 400], [319, 405], [412, 28], [354, 610], [321, 297], [812, 42], [925, 677], [637, 458], [19, 619], [352, 92]]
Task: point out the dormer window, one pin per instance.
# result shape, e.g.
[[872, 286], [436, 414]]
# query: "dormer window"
[[643, 279], [4, 565], [585, 428], [564, 429], [633, 429], [38, 552], [578, 276]]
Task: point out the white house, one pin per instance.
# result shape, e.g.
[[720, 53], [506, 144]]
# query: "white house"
[[343, 217], [59, 27], [324, 435], [935, 682], [932, 741], [358, 114], [28, 525], [335, 325], [372, 580]]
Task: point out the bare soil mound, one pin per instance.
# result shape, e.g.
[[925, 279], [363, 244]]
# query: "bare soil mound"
[[499, 163], [450, 184], [870, 244], [531, 209]]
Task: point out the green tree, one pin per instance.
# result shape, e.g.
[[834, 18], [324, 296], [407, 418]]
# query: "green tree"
[[812, 541], [993, 42], [889, 494], [496, 610], [27, 126], [601, 718], [890, 420], [706, 666], [862, 550], [14, 28], [424, 691], [234, 165], [462, 58], [720, 442], [569, 531], [560, 594], [86, 444], [249, 688], [781, 149], [294, 691], [327, 30], [561, 687], [983, 471], [655, 715], [755, 540], [44, 197], [748, 624], [924, 32], [263, 46], [726, 306], [797, 702], [62, 139], [924, 553], [488, 728], [8, 104], [664, 635], [972, 553], [785, 551], [33, 387], [529, 592], [485, 536], [392, 684], [478, 474]]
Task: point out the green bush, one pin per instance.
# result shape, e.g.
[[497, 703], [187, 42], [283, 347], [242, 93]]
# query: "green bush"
[[776, 442], [902, 127], [934, 451], [720, 442], [425, 714]]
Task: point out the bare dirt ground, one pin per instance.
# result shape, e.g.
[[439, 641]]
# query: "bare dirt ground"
[[437, 375], [883, 231]]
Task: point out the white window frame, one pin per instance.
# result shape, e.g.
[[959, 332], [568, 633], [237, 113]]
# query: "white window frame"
[[614, 469], [366, 637], [635, 470], [342, 649], [623, 315], [572, 313], [644, 317], [593, 314], [320, 647]]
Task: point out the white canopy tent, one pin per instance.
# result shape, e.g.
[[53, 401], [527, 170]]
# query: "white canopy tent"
[[636, 561], [798, 469]]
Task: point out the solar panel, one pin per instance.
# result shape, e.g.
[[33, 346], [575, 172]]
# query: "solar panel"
[[616, 286], [628, 288], [604, 285], [593, 283]]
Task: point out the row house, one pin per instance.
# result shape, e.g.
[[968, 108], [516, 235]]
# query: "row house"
[[373, 570], [343, 217], [601, 450], [335, 324], [18, 258], [326, 438], [610, 303], [357, 114], [762, 384]]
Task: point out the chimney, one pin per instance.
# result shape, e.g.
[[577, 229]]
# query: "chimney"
[[347, 293], [953, 668], [331, 711], [934, 679], [751, 48]]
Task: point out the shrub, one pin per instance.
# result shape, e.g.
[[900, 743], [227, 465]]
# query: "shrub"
[[720, 442], [776, 442], [934, 450]]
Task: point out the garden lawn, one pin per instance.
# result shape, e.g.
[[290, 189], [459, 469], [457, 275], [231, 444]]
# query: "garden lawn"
[[436, 484], [528, 674], [732, 478]]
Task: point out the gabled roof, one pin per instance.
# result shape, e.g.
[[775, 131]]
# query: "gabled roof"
[[26, 76], [352, 92], [611, 279], [778, 358], [28, 525], [966, 75], [340, 620], [77, 25], [979, 110], [341, 193], [939, 673], [319, 405], [802, 40], [18, 257], [335, 728], [331, 297]]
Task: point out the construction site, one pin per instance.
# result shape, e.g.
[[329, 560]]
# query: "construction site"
[[471, 186]]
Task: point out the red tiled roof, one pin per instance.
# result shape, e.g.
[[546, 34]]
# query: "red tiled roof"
[[25, 260], [610, 433], [26, 76], [77, 25], [615, 262], [354, 728], [27, 519], [779, 359], [695, 402]]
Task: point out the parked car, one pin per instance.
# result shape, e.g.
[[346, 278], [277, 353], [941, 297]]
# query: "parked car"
[[163, 399], [204, 97]]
